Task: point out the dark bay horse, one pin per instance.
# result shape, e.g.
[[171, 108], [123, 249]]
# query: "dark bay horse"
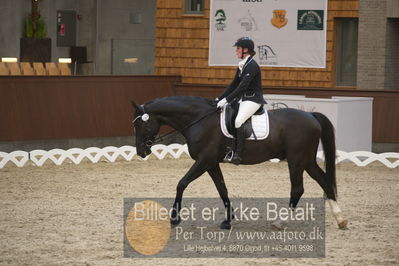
[[294, 136]]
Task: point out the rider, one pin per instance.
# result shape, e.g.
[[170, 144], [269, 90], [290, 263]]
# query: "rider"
[[245, 87]]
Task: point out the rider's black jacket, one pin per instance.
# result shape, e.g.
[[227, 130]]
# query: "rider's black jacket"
[[246, 85]]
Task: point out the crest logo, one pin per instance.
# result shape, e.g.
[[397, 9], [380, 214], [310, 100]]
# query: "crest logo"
[[220, 20], [279, 20]]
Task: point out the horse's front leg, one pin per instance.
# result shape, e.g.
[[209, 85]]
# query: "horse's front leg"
[[198, 168], [217, 178]]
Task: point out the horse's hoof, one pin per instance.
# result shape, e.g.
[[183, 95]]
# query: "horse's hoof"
[[343, 225], [225, 225], [175, 222], [278, 225]]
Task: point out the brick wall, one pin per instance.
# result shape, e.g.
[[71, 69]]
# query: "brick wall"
[[371, 44]]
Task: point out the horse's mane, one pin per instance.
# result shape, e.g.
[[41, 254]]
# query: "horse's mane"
[[189, 101], [182, 98]]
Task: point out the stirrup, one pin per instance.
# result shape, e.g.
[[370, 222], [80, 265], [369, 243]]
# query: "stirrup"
[[229, 156]]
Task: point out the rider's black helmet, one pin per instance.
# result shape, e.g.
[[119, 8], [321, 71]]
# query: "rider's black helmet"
[[245, 42]]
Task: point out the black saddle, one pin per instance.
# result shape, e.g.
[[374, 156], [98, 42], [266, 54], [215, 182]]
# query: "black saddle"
[[231, 112]]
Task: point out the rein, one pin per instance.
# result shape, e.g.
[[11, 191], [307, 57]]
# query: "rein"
[[184, 128]]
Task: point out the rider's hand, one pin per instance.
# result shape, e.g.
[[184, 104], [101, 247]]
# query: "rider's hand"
[[221, 103], [213, 103]]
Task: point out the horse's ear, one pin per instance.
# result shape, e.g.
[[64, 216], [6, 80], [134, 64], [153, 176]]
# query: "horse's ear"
[[137, 107]]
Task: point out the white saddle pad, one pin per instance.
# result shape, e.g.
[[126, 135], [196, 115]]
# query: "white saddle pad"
[[260, 124]]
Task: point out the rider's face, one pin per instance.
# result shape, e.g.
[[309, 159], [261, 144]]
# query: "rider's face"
[[240, 51]]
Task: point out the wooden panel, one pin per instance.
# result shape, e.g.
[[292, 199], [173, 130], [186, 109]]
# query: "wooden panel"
[[343, 5], [169, 4], [60, 107], [169, 12], [386, 119], [181, 43]]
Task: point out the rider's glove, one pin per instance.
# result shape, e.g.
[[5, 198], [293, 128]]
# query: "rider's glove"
[[221, 103], [213, 102]]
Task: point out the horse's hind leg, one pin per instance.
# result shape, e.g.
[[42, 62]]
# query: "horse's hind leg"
[[296, 178], [321, 178], [217, 178]]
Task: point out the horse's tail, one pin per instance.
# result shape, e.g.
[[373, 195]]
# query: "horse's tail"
[[328, 142]]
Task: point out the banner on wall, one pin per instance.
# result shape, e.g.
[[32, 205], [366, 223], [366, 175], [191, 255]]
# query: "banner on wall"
[[287, 33]]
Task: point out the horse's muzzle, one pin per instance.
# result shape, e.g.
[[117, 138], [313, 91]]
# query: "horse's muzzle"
[[144, 150]]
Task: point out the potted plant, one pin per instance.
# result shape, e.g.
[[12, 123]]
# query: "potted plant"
[[35, 46]]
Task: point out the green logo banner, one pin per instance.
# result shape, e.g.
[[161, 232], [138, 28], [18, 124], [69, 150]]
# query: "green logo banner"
[[310, 20]]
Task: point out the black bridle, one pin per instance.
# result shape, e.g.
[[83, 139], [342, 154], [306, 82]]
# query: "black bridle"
[[149, 142]]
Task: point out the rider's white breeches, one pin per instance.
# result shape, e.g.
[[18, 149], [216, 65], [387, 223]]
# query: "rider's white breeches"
[[245, 111]]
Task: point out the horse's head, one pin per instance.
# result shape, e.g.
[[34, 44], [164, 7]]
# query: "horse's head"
[[146, 127]]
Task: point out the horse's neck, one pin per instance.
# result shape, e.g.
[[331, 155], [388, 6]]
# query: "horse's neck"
[[175, 121], [177, 115]]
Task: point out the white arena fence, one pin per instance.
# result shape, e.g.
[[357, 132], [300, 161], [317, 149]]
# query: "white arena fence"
[[160, 151]]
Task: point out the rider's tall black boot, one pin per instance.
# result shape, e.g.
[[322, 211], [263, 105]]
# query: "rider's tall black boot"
[[239, 145]]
